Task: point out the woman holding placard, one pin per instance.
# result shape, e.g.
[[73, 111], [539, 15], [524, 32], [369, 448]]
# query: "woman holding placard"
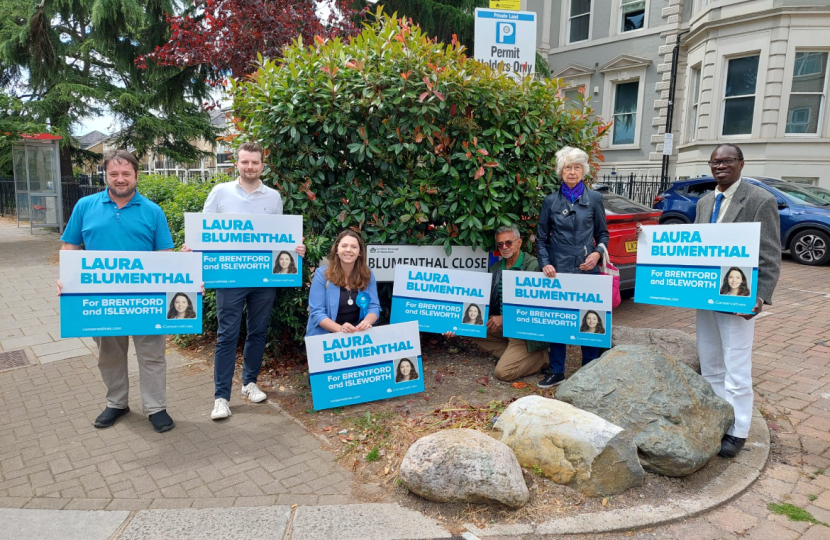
[[570, 231], [344, 294]]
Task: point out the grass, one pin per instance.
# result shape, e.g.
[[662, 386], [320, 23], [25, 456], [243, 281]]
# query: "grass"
[[373, 454], [794, 513], [812, 497]]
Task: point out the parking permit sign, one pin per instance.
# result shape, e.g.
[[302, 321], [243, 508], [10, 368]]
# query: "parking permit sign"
[[506, 39]]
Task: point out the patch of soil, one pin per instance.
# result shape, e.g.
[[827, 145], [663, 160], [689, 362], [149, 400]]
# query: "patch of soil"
[[371, 439]]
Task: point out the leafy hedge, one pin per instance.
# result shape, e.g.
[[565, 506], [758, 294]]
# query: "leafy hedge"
[[400, 137]]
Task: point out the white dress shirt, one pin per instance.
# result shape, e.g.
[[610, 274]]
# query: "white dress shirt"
[[727, 198], [231, 198]]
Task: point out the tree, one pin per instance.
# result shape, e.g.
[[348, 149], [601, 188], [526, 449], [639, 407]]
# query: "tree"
[[445, 18], [223, 37], [66, 60]]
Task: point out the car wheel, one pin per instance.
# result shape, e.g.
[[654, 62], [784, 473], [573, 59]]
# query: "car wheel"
[[673, 221], [811, 247]]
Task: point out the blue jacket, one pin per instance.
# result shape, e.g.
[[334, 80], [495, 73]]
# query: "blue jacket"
[[324, 301], [567, 233]]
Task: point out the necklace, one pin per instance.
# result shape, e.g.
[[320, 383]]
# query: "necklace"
[[350, 301]]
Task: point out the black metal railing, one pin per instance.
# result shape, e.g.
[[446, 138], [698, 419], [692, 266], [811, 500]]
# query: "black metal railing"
[[641, 189]]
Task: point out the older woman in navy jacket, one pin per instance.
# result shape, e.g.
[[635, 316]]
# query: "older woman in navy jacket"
[[344, 294], [570, 231]]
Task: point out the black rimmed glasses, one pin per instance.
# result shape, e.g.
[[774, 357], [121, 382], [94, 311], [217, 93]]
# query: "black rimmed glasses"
[[718, 162]]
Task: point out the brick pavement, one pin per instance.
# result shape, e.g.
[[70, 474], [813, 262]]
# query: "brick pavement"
[[52, 457]]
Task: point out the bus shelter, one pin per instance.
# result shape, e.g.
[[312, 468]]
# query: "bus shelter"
[[37, 181]]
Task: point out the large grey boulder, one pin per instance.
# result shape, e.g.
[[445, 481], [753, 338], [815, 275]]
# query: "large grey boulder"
[[464, 465], [571, 446], [671, 342], [670, 412]]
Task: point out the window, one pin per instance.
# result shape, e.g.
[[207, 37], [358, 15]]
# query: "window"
[[694, 100], [572, 98], [633, 15], [701, 188], [810, 180], [579, 20], [739, 97], [625, 112], [807, 92]]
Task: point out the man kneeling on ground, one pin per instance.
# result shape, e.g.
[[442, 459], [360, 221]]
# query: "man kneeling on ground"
[[517, 357]]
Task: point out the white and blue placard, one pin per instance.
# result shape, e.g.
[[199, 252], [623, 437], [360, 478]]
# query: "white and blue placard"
[[130, 293], [442, 300], [349, 368], [711, 266], [246, 250], [506, 39], [571, 308]]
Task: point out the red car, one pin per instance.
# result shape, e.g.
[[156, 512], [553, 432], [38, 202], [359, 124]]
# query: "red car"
[[622, 215]]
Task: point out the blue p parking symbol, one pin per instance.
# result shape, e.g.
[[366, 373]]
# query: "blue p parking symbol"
[[506, 33]]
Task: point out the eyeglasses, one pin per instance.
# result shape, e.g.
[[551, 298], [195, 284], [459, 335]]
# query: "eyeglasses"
[[728, 162], [506, 243]]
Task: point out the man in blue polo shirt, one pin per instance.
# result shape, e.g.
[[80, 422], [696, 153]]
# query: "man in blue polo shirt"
[[119, 219]]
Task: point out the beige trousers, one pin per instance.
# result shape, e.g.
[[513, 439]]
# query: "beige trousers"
[[152, 370], [514, 360]]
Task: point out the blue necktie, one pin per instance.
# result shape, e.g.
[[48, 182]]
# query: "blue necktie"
[[718, 200]]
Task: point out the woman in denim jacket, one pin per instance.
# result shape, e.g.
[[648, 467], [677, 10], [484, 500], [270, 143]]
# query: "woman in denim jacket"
[[570, 230], [344, 294]]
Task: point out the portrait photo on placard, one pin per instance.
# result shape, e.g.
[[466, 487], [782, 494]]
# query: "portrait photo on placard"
[[180, 305], [406, 369], [284, 263], [473, 314], [591, 322], [735, 281]]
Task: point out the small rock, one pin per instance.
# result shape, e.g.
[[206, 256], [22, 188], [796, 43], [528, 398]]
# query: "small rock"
[[670, 342], [571, 446], [671, 413], [464, 465]]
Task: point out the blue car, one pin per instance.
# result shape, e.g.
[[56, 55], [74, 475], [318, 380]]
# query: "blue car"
[[805, 218]]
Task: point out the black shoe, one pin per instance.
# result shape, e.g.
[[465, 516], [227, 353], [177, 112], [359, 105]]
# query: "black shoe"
[[546, 371], [730, 446], [109, 417], [161, 421], [554, 379]]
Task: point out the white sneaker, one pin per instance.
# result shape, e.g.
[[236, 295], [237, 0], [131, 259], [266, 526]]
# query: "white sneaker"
[[221, 409], [254, 393]]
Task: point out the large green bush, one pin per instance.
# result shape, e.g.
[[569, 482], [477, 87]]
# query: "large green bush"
[[407, 139]]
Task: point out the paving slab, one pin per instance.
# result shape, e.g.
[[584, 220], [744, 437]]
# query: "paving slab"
[[200, 524], [59, 524], [364, 522]]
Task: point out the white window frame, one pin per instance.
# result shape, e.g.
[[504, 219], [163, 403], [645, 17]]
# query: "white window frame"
[[789, 94], [565, 27], [617, 19], [758, 96], [612, 79], [566, 17], [693, 97]]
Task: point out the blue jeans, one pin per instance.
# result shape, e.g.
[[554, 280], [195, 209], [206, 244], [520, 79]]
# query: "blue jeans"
[[229, 306], [558, 351]]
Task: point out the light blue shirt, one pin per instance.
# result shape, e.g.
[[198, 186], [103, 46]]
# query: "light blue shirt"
[[100, 225], [324, 301], [231, 198]]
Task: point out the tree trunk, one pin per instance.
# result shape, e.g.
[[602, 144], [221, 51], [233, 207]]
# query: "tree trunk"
[[66, 160]]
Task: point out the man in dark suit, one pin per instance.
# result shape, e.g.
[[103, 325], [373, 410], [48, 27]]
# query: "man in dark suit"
[[724, 340]]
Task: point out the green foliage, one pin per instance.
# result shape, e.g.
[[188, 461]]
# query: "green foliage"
[[67, 61], [408, 140], [13, 121], [373, 455], [794, 513]]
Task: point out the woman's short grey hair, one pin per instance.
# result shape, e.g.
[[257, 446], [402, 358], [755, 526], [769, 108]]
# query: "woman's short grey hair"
[[569, 155], [508, 228]]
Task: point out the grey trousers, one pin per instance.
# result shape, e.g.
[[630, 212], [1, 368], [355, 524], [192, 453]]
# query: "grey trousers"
[[152, 370]]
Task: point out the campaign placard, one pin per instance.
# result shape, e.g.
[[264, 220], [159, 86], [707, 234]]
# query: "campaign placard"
[[383, 258], [442, 300], [380, 363], [246, 250], [130, 293], [571, 308], [712, 266]]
